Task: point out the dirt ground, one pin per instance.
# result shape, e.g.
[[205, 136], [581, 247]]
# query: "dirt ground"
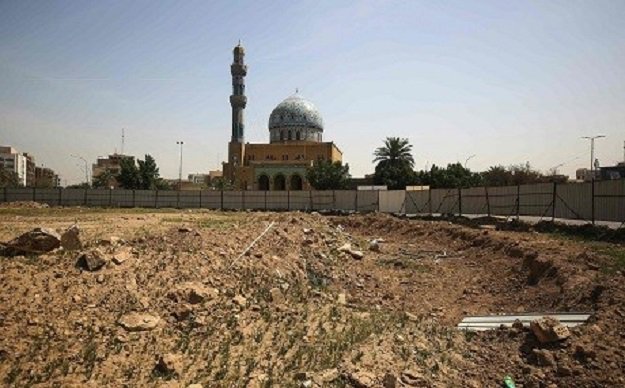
[[298, 309]]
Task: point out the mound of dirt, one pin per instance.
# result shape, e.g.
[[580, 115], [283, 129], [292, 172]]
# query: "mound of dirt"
[[168, 305]]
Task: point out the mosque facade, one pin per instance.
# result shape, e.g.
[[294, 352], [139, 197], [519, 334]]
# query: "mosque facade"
[[295, 141]]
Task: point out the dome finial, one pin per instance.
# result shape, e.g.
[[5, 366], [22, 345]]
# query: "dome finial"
[[296, 90]]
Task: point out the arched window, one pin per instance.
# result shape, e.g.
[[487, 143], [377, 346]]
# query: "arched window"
[[290, 135], [296, 182], [281, 135], [298, 135], [263, 182], [279, 182]]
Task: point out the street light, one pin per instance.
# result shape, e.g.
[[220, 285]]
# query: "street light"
[[467, 160], [180, 143], [592, 152], [86, 168]]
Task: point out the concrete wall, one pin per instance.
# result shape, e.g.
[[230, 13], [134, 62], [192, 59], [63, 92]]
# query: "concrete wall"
[[572, 200]]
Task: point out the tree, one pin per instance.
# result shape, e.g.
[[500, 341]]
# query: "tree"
[[395, 151], [328, 175], [105, 179], [8, 178], [129, 177], [394, 164], [148, 173], [455, 175]]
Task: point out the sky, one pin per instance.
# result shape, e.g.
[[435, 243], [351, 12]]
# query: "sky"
[[508, 82]]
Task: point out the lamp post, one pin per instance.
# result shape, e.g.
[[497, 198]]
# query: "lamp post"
[[180, 143], [86, 166], [467, 160], [592, 152]]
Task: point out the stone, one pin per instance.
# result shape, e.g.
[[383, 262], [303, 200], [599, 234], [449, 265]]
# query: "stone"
[[413, 378], [70, 239], [342, 299], [169, 364], [193, 293], [138, 322], [358, 255], [361, 379], [194, 386], [37, 241], [347, 247], [239, 300], [121, 256], [327, 376], [389, 381], [544, 357], [411, 317], [276, 295], [374, 246], [100, 278], [185, 230], [549, 329], [91, 260]]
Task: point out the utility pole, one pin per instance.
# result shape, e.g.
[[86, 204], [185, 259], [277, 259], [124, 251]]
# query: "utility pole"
[[123, 139], [467, 160], [592, 152], [180, 143], [86, 167]]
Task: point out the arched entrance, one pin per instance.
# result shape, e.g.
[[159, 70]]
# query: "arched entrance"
[[296, 182], [279, 182], [263, 182]]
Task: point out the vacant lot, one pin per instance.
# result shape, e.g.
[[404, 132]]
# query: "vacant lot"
[[300, 308]]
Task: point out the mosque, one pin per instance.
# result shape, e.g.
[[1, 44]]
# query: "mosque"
[[295, 141]]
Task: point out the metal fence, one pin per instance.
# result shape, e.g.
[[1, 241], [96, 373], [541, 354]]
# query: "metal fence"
[[591, 201]]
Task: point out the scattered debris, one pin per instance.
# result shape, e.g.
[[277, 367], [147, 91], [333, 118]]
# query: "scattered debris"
[[91, 260], [70, 239], [492, 322], [37, 241], [549, 329], [138, 322]]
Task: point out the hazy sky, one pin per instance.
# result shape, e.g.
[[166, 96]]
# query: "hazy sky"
[[508, 81]]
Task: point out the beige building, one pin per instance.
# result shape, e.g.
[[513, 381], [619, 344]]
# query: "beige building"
[[111, 165], [295, 141]]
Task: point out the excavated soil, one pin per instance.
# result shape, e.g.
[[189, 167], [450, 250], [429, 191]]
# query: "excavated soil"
[[180, 301]]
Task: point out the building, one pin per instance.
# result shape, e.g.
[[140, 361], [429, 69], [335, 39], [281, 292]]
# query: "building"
[[12, 160], [613, 172], [205, 179], [46, 177], [295, 141], [584, 174], [110, 165]]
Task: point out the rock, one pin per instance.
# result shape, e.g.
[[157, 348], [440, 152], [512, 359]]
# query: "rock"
[[100, 278], [347, 247], [194, 386], [358, 255], [38, 240], [342, 299], [113, 240], [91, 260], [169, 364], [389, 381], [138, 322], [193, 293], [374, 246], [239, 300], [276, 295], [326, 376], [122, 255], [549, 329], [544, 357], [182, 311], [539, 267], [413, 378], [361, 379], [411, 317], [185, 230], [70, 239]]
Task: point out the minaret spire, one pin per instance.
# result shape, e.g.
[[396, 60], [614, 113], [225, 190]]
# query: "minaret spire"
[[238, 69]]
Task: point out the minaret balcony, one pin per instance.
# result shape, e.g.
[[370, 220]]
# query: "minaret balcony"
[[237, 69], [238, 101]]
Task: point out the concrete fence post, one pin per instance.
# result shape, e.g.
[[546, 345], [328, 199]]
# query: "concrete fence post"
[[430, 201], [110, 197], [310, 199], [356, 200], [243, 199], [518, 202], [200, 193], [333, 199], [487, 201], [60, 196], [34, 194], [553, 201], [5, 194], [460, 202], [222, 200], [592, 201], [84, 198], [288, 200], [156, 199], [134, 202], [265, 200]]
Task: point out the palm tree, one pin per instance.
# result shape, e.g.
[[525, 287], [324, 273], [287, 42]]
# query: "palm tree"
[[395, 151]]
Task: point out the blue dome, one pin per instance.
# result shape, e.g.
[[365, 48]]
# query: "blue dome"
[[297, 112]]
